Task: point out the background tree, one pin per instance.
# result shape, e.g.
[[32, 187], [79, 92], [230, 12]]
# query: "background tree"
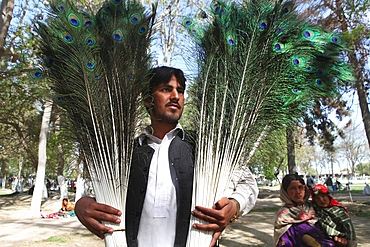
[[270, 157], [353, 149], [7, 7], [347, 17]]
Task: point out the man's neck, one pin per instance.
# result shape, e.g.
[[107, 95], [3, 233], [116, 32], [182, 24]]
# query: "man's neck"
[[161, 129]]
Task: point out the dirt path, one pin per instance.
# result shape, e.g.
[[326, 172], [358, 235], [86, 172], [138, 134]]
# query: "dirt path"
[[255, 229]]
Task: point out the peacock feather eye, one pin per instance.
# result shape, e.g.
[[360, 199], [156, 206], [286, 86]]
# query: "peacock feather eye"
[[279, 47], [67, 37], [90, 41], [230, 40], [117, 2], [203, 14], [90, 65], [135, 18], [60, 8], [298, 61], [223, 11], [296, 91], [143, 29], [318, 82], [310, 34], [36, 74], [87, 22], [216, 8], [287, 8], [335, 39], [117, 35], [263, 24], [74, 20], [187, 22]]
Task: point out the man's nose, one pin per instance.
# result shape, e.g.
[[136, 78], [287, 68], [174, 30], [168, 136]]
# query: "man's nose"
[[174, 94]]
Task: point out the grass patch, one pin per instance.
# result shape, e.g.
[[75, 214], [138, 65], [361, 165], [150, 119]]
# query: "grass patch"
[[57, 239], [362, 214]]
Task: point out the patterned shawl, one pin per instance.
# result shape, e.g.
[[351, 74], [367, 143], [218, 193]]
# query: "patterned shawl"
[[291, 213]]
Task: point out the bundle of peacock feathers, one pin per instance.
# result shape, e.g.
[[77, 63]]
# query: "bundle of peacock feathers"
[[98, 64], [260, 65]]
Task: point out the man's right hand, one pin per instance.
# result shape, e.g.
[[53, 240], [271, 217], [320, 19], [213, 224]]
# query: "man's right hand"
[[91, 213]]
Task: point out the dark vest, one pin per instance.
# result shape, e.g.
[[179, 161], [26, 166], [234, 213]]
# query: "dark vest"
[[181, 161]]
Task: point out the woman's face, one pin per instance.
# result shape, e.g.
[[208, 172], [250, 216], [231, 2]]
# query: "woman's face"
[[322, 200], [296, 191]]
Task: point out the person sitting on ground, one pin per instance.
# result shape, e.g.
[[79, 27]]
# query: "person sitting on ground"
[[366, 191], [296, 223], [334, 217], [67, 208]]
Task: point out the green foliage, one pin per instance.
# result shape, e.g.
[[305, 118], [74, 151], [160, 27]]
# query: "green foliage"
[[270, 158], [355, 34], [363, 169]]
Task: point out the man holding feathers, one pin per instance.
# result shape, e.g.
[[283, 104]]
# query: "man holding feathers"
[[160, 187]]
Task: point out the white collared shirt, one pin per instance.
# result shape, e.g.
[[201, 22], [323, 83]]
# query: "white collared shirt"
[[158, 218]]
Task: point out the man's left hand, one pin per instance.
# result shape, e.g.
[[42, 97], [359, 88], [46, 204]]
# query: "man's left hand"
[[218, 216]]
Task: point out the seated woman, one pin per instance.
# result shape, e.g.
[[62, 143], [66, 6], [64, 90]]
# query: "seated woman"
[[334, 217], [296, 224]]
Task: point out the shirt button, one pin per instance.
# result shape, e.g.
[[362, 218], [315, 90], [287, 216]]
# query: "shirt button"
[[137, 214], [145, 169], [142, 191]]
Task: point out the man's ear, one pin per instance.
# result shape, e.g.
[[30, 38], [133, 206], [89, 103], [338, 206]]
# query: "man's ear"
[[147, 104]]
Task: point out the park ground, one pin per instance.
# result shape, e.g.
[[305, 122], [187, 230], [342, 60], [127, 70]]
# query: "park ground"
[[18, 229]]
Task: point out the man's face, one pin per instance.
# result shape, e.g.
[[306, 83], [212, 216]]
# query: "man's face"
[[167, 102], [296, 191], [322, 200]]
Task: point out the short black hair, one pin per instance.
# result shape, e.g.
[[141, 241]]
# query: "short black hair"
[[289, 178], [163, 74]]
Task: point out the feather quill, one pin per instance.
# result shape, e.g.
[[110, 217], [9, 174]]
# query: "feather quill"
[[260, 65], [98, 65]]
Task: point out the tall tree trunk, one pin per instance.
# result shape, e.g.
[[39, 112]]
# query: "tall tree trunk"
[[357, 63], [40, 175], [60, 168], [7, 7], [291, 150], [4, 172], [20, 166]]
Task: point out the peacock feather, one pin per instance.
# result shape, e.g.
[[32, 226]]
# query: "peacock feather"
[[260, 65], [98, 65]]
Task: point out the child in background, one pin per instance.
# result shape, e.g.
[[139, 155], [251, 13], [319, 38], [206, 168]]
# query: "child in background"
[[334, 217], [67, 209]]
